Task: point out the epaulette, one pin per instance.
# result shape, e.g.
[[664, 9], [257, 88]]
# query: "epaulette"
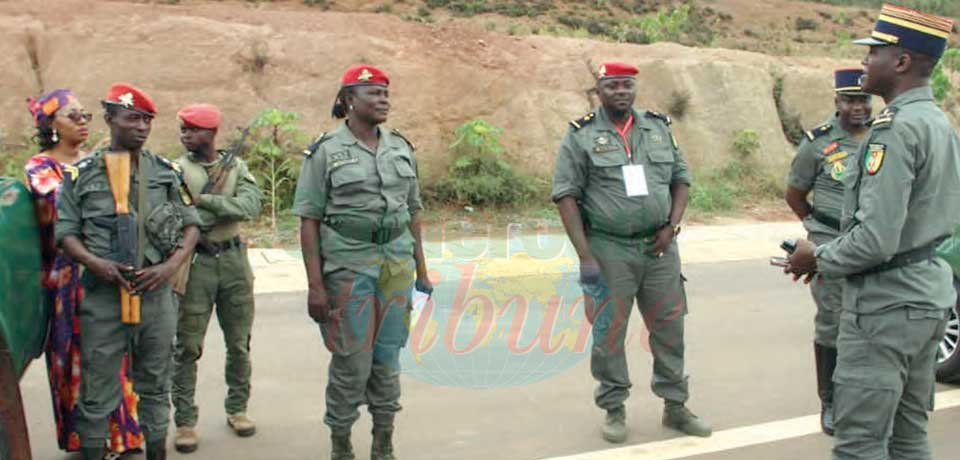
[[175, 167], [885, 119], [75, 169], [396, 132], [662, 116], [315, 145], [814, 133], [582, 121]]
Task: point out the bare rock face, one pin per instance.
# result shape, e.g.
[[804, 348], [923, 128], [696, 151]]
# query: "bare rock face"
[[246, 58]]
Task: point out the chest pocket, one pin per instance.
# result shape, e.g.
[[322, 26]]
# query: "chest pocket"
[[660, 166], [96, 199], [405, 167], [347, 179]]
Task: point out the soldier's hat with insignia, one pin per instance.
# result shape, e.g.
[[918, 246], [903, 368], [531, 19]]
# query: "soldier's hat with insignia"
[[847, 81], [616, 70], [129, 97], [910, 29], [364, 74]]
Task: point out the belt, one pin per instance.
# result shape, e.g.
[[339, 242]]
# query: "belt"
[[205, 247], [632, 236], [824, 219], [913, 256], [376, 235]]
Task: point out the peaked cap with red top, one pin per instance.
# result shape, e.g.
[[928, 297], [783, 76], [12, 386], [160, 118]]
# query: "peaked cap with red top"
[[364, 74], [616, 70], [129, 97], [203, 116]]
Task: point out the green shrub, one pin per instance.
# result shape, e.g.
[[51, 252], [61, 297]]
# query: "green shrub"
[[679, 103], [275, 141], [801, 24], [789, 121], [479, 175], [746, 143], [940, 80]]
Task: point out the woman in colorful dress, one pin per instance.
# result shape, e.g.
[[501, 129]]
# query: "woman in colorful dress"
[[62, 127]]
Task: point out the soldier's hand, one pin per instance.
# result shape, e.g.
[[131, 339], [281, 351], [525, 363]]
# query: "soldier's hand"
[[802, 261], [318, 304], [151, 277], [660, 241], [424, 285], [110, 271], [589, 270]]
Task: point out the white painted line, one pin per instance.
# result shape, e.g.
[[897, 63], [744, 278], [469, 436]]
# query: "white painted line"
[[735, 438]]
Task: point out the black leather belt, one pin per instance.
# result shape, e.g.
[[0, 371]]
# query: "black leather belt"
[[824, 219], [913, 256], [632, 236], [204, 247], [376, 235]]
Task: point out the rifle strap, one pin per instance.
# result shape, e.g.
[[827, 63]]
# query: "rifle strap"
[[142, 170]]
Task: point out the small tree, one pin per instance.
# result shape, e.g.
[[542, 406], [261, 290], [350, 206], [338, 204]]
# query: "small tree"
[[276, 139], [479, 175]]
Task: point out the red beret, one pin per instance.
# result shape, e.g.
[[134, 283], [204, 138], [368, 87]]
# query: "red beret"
[[130, 97], [364, 75], [617, 69], [203, 116]]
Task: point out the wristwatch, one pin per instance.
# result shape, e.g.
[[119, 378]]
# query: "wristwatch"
[[676, 230]]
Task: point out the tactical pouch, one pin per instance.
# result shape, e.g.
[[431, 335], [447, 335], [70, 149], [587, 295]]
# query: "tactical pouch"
[[162, 226]]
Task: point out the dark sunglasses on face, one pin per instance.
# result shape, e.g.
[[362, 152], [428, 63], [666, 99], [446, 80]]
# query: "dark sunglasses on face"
[[77, 116]]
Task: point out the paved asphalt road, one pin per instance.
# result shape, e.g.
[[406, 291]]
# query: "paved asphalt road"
[[750, 359]]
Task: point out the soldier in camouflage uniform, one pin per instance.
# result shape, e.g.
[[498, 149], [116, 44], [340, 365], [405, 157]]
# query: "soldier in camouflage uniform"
[[621, 185], [359, 200], [86, 229], [904, 189], [226, 194], [819, 166]]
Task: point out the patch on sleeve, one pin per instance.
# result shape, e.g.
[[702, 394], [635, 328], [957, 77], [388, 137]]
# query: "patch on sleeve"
[[874, 160], [71, 171]]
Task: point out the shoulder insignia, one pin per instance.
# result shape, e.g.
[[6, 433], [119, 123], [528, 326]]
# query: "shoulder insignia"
[[664, 117], [583, 121], [174, 166], [71, 171], [874, 160], [821, 130], [315, 145], [396, 132], [885, 118]]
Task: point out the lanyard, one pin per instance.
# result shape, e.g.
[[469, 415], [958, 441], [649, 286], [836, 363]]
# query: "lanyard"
[[623, 135]]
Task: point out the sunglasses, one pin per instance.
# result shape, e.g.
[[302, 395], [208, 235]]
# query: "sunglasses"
[[76, 117]]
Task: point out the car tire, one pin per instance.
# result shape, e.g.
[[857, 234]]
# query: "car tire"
[[948, 356]]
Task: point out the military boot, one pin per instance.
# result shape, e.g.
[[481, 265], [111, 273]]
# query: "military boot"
[[186, 439], [157, 450], [340, 447], [92, 453], [615, 425], [826, 359], [677, 416], [382, 448]]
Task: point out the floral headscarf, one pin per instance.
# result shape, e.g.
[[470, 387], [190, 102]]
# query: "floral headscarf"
[[43, 108]]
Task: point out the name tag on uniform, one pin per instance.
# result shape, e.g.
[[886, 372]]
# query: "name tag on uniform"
[[634, 180]]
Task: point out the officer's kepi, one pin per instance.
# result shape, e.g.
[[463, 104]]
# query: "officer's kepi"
[[910, 29], [847, 81]]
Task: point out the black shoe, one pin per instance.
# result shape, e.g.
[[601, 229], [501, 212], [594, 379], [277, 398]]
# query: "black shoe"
[[826, 359], [92, 453], [382, 448], [340, 447], [157, 450]]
